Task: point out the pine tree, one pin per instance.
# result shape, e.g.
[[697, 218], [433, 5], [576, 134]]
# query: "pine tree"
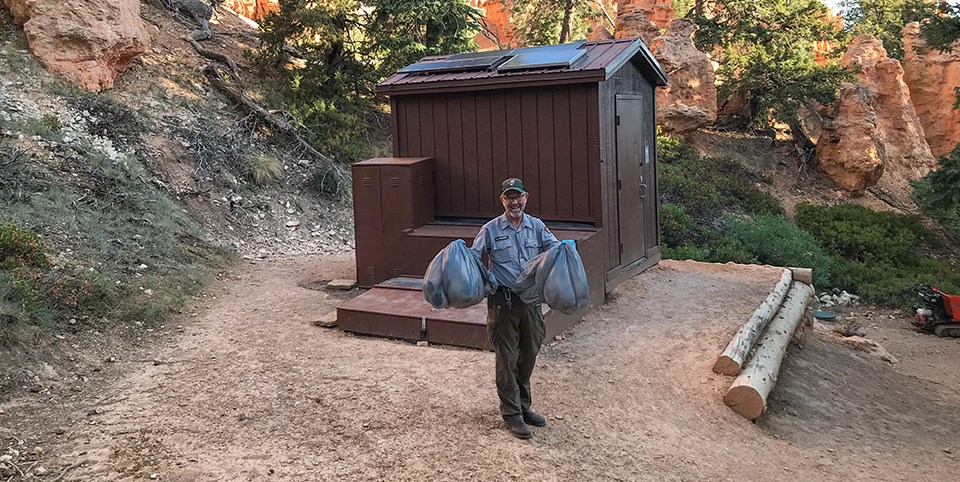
[[766, 52]]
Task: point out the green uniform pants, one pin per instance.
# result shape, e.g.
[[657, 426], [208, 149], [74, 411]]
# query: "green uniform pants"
[[516, 331]]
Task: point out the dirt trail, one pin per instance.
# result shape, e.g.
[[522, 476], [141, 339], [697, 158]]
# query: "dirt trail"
[[251, 390]]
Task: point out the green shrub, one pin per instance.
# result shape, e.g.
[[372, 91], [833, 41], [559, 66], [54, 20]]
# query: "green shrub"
[[129, 237], [708, 187], [879, 254], [856, 233], [19, 303], [676, 226], [890, 285], [722, 248], [21, 249], [938, 194], [710, 247], [776, 241], [264, 169], [23, 270]]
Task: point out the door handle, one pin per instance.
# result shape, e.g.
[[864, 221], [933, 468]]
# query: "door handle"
[[643, 191]]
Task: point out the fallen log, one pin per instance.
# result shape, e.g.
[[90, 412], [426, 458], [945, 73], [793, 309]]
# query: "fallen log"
[[276, 123], [736, 352], [211, 54], [748, 393]]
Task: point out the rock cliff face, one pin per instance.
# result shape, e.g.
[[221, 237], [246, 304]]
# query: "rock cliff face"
[[932, 77], [898, 142], [88, 43], [658, 12], [689, 101], [633, 22], [849, 149], [254, 9]]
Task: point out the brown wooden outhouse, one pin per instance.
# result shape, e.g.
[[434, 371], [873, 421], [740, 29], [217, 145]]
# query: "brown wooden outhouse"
[[577, 122]]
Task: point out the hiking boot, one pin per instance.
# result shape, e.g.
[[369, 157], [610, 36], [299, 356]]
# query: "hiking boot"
[[534, 418], [517, 427]]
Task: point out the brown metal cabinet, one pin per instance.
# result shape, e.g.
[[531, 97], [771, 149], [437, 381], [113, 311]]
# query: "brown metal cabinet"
[[390, 195]]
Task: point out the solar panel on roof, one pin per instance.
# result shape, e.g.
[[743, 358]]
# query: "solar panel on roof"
[[480, 55], [542, 57], [453, 65], [526, 58]]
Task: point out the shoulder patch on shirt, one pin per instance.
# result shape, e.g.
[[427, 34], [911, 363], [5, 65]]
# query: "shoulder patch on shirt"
[[501, 238]]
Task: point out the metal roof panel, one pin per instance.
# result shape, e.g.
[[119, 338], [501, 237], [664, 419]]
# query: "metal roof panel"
[[600, 60]]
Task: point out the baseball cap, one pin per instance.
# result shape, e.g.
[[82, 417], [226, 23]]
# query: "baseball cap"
[[512, 184]]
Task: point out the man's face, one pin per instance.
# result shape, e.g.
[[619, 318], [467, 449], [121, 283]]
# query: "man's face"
[[514, 203]]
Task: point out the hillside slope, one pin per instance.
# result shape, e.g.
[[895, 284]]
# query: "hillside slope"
[[141, 192]]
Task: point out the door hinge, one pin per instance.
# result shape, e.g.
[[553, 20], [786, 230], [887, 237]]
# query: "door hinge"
[[621, 248], [619, 184], [618, 119]]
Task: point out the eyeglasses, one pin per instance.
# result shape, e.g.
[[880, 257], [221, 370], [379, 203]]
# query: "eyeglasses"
[[512, 197]]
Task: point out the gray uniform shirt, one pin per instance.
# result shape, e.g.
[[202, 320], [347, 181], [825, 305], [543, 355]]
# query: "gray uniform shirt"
[[510, 248]]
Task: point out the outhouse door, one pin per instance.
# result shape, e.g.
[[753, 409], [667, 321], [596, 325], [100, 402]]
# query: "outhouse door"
[[632, 173]]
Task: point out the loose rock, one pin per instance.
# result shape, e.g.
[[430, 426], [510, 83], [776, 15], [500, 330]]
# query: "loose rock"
[[327, 321]]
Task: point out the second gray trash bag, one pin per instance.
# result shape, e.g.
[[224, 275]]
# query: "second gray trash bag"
[[456, 278], [560, 280]]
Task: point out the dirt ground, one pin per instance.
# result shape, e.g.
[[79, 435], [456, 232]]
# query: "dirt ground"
[[246, 388]]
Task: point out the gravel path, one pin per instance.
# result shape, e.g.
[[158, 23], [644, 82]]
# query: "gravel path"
[[251, 390]]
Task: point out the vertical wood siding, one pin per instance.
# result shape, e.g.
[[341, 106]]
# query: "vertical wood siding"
[[548, 136]]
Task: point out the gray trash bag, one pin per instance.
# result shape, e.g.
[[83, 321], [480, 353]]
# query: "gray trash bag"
[[456, 278], [559, 279]]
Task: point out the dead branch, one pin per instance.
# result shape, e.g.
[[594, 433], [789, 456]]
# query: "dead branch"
[[66, 469], [606, 15], [884, 196], [264, 115], [211, 54]]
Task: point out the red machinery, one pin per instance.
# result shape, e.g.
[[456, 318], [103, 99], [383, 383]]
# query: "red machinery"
[[941, 315]]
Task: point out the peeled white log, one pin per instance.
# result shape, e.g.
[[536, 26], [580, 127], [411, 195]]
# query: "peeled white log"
[[803, 275], [736, 352], [748, 393]]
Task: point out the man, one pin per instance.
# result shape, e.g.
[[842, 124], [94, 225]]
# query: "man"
[[516, 328]]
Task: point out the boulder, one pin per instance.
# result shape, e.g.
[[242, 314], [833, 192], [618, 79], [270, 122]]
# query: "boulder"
[[632, 22], [599, 31], [88, 43], [876, 123], [932, 77], [849, 148], [689, 101], [254, 9], [657, 12]]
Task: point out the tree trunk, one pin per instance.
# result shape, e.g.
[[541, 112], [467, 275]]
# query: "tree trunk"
[[749, 391], [565, 27], [732, 358], [803, 275]]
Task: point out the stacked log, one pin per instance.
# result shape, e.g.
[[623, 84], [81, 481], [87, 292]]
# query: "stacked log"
[[766, 335], [732, 358], [749, 391]]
